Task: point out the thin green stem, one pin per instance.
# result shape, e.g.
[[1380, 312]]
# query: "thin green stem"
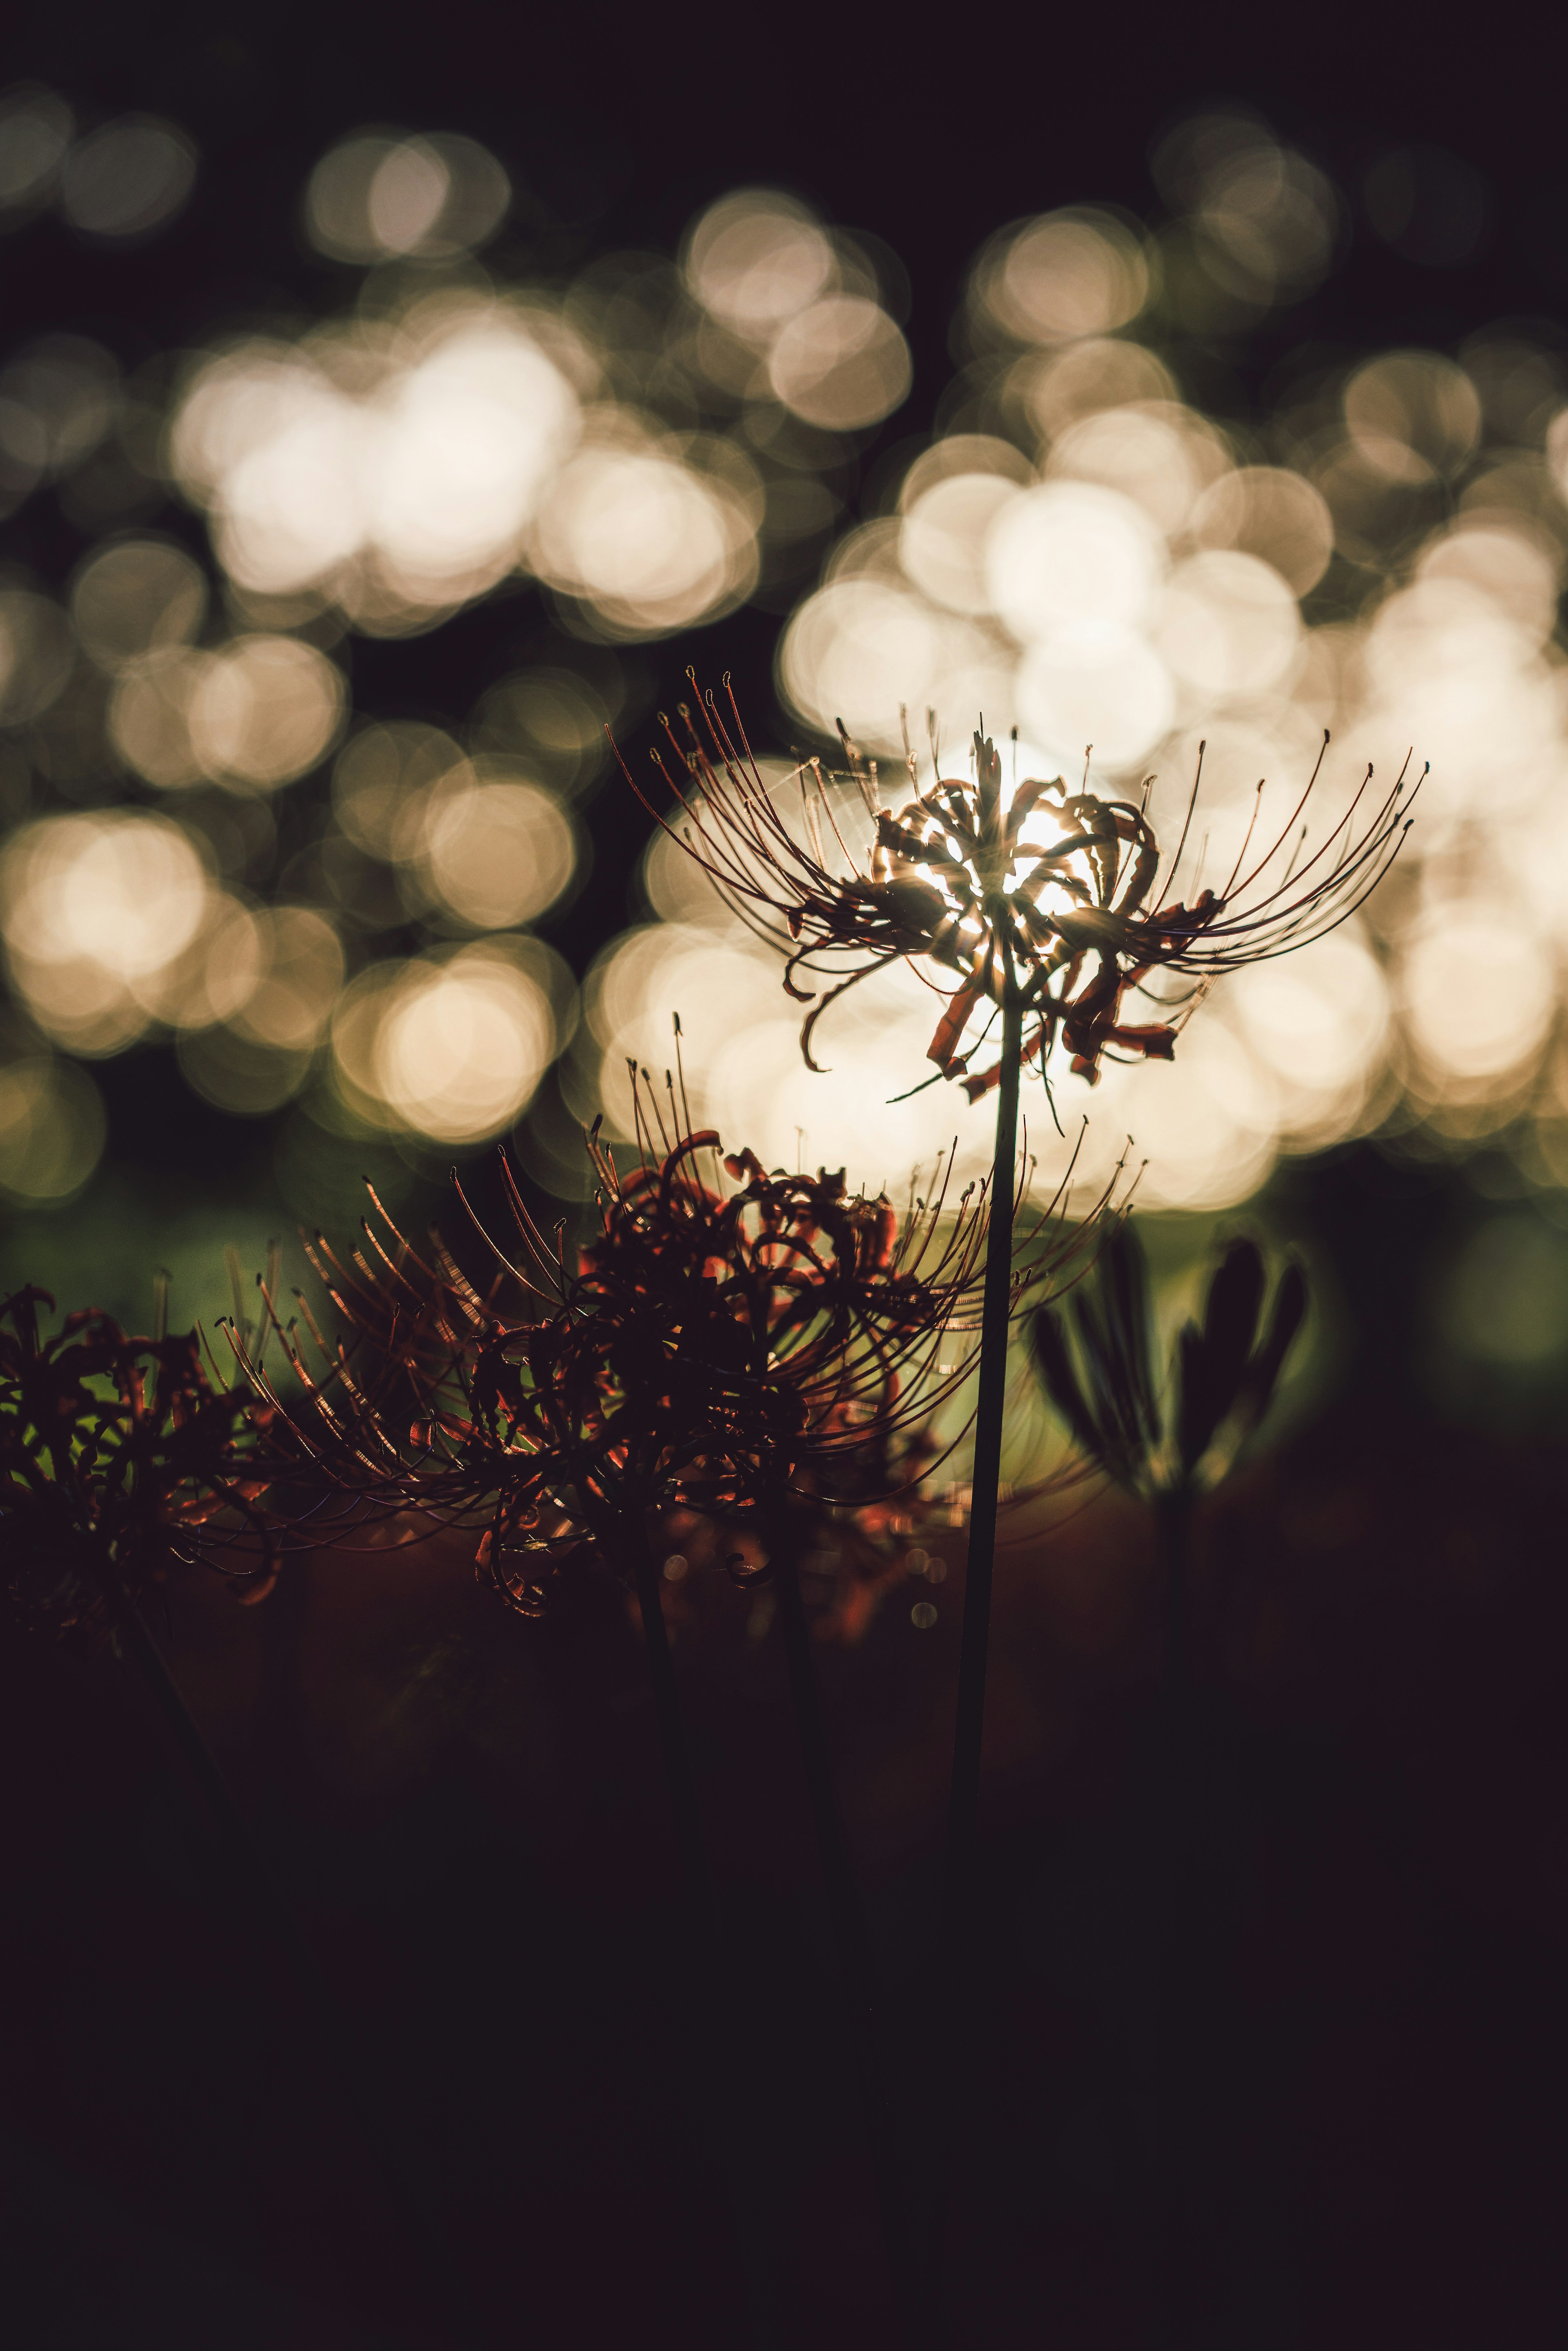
[[963, 1807], [336, 2043], [855, 1968], [990, 1406]]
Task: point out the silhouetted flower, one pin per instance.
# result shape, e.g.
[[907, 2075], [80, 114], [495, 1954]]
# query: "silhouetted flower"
[[120, 1457], [852, 1548], [1062, 895], [728, 1337], [1096, 1360]]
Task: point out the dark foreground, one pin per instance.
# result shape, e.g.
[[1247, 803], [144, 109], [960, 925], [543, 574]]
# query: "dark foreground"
[[1369, 2068]]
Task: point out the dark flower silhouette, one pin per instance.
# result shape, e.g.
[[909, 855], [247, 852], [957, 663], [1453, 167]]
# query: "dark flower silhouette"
[[120, 1457], [729, 1338], [1166, 1445], [1096, 1361], [851, 1550]]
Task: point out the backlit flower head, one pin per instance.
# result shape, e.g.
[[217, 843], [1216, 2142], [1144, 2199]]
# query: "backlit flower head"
[[988, 884]]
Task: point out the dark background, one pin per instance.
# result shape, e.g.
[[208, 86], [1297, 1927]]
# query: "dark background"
[[469, 1813]]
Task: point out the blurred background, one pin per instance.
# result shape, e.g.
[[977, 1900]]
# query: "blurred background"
[[362, 462], [392, 403]]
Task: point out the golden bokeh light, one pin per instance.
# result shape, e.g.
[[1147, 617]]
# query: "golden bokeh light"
[[52, 1131], [265, 710], [260, 711], [36, 655], [1157, 453], [137, 596], [382, 781], [272, 975], [754, 260], [127, 179], [1079, 550], [1070, 554], [497, 853], [648, 541], [1067, 275], [945, 533], [1095, 685], [1319, 1022], [1048, 391], [1272, 513], [286, 992], [97, 912], [1412, 414], [1478, 991], [408, 472], [1228, 627], [380, 196], [1210, 1138], [35, 127], [841, 364], [449, 1045], [856, 650]]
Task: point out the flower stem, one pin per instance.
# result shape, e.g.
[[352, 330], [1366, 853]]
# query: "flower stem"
[[964, 1803], [678, 1777], [726, 2121], [855, 1969], [336, 2047], [990, 1407]]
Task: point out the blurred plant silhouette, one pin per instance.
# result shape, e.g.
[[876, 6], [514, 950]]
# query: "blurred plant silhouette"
[[1168, 1441]]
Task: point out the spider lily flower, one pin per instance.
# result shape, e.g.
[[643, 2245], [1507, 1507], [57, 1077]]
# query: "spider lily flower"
[[851, 1550], [120, 1457], [728, 1337], [1061, 898]]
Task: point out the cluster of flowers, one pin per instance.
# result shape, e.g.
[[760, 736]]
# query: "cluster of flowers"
[[749, 1348]]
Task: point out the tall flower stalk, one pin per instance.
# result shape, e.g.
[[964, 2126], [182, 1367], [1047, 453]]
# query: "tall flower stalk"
[[1035, 912]]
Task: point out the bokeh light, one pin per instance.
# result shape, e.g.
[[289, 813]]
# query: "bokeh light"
[[52, 1131], [1088, 548], [1067, 275], [496, 851], [450, 1046], [381, 196], [842, 363], [137, 596], [101, 915], [260, 711], [757, 259], [35, 127], [127, 179]]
